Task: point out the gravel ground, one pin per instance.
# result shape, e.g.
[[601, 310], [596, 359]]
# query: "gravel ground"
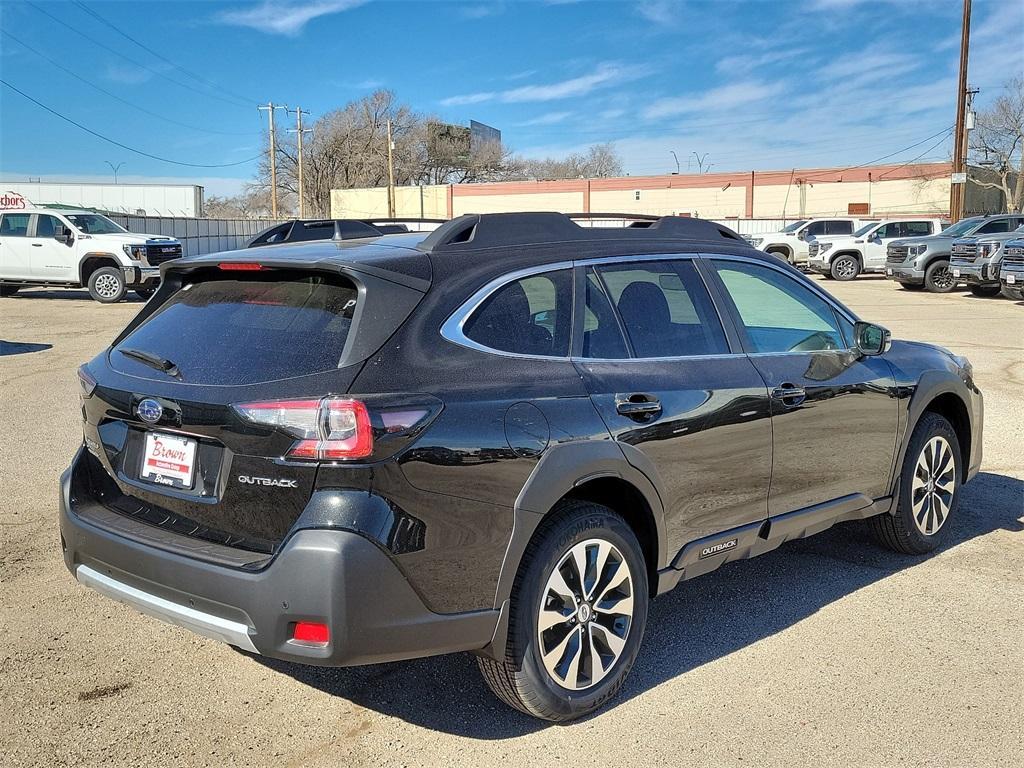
[[829, 651]]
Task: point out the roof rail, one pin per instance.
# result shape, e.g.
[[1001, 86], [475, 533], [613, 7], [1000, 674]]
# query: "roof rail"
[[496, 230]]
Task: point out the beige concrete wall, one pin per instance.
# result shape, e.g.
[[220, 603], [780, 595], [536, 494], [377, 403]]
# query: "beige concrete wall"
[[373, 202], [707, 203], [833, 198], [566, 202]]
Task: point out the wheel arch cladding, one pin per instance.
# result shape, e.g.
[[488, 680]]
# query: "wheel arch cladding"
[[593, 470], [951, 406], [855, 254]]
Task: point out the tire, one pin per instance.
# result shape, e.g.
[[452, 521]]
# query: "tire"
[[8, 290], [782, 255], [106, 285], [1014, 294], [916, 531], [912, 286], [144, 293], [845, 268], [986, 291], [938, 278], [527, 680]]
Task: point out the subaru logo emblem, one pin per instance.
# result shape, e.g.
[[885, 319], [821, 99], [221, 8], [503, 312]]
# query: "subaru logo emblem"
[[149, 410]]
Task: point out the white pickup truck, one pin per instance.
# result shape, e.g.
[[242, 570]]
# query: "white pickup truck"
[[790, 242], [72, 249], [843, 258]]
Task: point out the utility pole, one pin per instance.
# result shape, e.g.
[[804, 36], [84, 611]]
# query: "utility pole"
[[270, 107], [391, 175], [298, 130], [114, 168], [958, 188]]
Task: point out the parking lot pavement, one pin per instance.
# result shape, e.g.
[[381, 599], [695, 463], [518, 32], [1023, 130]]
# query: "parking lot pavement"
[[828, 651]]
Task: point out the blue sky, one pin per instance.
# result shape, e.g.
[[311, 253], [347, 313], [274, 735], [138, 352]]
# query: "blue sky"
[[758, 84]]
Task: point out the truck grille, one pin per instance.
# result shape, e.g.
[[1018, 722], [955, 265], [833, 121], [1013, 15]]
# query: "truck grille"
[[896, 254], [813, 248], [158, 253], [963, 254], [1013, 258]]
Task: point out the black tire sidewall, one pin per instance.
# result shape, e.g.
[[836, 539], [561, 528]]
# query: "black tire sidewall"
[[837, 260], [107, 271], [931, 425], [985, 291], [929, 274], [588, 522]]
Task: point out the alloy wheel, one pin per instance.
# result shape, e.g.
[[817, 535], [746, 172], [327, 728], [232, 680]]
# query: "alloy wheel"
[[107, 286], [845, 269], [586, 611], [931, 492], [942, 278]]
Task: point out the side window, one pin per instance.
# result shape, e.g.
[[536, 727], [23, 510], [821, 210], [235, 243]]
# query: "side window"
[[529, 316], [839, 227], [602, 337], [665, 309], [992, 227], [916, 229], [815, 228], [48, 226], [892, 229], [14, 225], [777, 312]]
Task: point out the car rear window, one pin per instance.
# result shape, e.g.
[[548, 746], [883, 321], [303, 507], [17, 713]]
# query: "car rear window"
[[246, 330]]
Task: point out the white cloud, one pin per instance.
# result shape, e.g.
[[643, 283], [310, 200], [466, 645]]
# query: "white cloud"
[[550, 118], [743, 64], [128, 75], [665, 12], [725, 97], [282, 17], [604, 75]]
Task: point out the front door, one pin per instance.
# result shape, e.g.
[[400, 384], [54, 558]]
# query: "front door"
[[834, 412], [15, 259], [684, 404], [52, 259]]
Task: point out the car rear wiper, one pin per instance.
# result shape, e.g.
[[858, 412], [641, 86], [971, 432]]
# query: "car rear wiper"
[[153, 361]]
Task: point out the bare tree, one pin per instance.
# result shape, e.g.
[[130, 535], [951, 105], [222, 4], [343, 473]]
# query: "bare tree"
[[998, 140], [252, 203], [599, 161]]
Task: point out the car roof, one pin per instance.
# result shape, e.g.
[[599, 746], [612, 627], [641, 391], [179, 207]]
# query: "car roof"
[[36, 209]]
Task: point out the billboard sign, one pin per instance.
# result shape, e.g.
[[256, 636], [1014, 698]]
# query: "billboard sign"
[[483, 135], [12, 201]]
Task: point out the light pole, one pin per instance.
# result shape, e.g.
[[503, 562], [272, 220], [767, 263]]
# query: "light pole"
[[676, 158], [700, 161], [114, 168]]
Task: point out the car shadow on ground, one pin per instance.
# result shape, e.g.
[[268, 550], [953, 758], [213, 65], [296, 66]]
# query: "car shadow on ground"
[[700, 621], [70, 295]]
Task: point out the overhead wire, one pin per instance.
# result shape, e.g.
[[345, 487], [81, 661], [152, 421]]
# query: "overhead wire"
[[121, 145]]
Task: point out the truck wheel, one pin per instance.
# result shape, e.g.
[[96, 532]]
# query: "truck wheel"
[[929, 489], [106, 285], [784, 255], [577, 615], [984, 290], [845, 268], [938, 278], [8, 290]]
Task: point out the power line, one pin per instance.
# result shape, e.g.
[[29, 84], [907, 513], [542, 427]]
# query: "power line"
[[118, 143], [208, 83], [112, 95], [915, 159], [944, 132], [229, 100]]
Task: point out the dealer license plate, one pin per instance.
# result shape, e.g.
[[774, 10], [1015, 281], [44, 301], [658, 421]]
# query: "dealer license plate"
[[956, 273], [888, 271], [1010, 279], [168, 460]]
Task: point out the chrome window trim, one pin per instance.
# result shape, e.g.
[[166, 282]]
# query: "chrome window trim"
[[453, 328]]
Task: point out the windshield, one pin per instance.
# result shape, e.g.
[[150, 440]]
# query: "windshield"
[[94, 224], [794, 226], [865, 229], [962, 227]]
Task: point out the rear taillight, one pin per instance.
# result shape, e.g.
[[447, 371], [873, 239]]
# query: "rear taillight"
[[87, 381], [330, 429]]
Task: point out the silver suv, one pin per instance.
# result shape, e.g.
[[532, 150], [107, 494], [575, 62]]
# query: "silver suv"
[[923, 262], [976, 260]]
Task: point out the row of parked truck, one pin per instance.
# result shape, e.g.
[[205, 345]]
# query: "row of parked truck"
[[984, 252]]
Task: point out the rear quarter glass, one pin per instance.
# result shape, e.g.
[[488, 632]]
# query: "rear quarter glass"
[[246, 329]]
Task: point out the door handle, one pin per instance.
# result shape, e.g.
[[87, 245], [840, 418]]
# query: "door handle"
[[789, 394], [37, 245], [638, 406]]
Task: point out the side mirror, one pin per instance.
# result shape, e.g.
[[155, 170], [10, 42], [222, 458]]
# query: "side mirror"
[[871, 339], [66, 237]]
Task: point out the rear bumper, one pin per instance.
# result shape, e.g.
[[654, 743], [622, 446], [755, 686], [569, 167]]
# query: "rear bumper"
[[336, 577]]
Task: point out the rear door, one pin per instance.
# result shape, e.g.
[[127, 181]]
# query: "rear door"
[[671, 388], [15, 249], [834, 412]]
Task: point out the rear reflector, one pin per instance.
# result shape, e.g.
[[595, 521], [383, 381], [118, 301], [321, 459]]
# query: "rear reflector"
[[311, 633], [240, 266]]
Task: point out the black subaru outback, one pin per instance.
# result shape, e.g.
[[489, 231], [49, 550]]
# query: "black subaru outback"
[[505, 437]]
